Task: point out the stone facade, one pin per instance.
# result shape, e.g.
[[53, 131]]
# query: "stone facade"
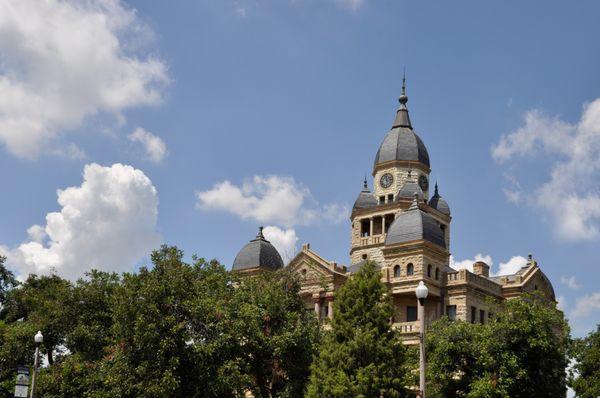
[[408, 235], [459, 294]]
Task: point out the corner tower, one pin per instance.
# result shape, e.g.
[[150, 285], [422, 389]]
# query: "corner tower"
[[401, 170]]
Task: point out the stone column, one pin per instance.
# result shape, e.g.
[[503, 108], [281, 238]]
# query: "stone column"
[[317, 308], [371, 226], [330, 307], [383, 224]]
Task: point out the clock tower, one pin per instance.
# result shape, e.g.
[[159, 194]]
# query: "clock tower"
[[400, 171]]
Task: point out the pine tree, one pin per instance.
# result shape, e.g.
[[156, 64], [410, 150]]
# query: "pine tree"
[[362, 356]]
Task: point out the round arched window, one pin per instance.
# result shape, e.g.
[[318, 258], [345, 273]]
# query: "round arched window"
[[410, 269], [397, 271]]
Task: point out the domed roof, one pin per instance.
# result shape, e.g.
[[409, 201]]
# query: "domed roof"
[[408, 191], [438, 203], [258, 253], [365, 199], [401, 142], [415, 224]]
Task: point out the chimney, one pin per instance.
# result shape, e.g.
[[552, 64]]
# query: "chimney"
[[481, 268]]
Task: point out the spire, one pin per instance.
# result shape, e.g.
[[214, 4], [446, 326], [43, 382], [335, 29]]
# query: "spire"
[[365, 186], [402, 119], [435, 193]]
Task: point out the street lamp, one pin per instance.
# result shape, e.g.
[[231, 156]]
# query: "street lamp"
[[39, 339], [421, 292]]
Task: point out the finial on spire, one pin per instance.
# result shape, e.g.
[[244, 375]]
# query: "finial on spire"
[[365, 186], [436, 190], [403, 98], [260, 233]]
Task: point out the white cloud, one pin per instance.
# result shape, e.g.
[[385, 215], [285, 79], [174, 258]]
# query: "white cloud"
[[586, 305], [270, 199], [284, 241], [561, 303], [351, 5], [468, 264], [154, 146], [65, 61], [512, 266], [107, 223], [570, 281], [568, 197]]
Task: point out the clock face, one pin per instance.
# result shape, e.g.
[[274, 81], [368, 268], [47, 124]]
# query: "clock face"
[[386, 180], [423, 183]]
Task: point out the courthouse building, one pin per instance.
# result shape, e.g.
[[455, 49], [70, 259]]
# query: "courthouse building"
[[406, 232]]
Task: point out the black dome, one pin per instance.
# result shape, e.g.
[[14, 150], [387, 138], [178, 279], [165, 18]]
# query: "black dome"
[[415, 224], [438, 203], [365, 199], [258, 253]]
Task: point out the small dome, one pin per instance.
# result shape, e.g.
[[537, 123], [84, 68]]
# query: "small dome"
[[402, 143], [415, 224], [365, 199], [438, 203], [408, 191], [258, 253]]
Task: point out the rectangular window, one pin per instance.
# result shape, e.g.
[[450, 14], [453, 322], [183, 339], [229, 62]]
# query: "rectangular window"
[[390, 198], [411, 314], [481, 316], [473, 314], [451, 312], [381, 200]]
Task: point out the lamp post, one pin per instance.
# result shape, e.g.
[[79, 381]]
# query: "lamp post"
[[39, 339], [421, 292]]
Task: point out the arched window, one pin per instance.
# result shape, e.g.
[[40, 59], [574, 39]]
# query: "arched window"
[[397, 271], [429, 271], [437, 273], [410, 269]]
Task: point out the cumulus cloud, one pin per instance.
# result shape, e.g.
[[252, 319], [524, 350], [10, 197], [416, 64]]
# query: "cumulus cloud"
[[468, 264], [510, 267], [65, 61], [270, 199], [107, 223], [585, 305], [570, 281], [284, 240], [567, 197], [561, 303], [154, 146]]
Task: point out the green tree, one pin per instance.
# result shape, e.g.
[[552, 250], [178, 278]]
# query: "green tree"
[[276, 336], [521, 353], [7, 280], [585, 374], [362, 356]]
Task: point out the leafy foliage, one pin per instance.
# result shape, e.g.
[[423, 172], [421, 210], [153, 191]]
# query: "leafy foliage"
[[362, 356], [175, 329], [521, 353], [585, 375]]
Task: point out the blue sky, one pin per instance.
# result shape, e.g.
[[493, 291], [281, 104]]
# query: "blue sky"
[[193, 122]]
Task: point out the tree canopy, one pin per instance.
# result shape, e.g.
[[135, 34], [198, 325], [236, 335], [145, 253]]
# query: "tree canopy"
[[174, 329], [362, 355], [522, 352], [585, 374]]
